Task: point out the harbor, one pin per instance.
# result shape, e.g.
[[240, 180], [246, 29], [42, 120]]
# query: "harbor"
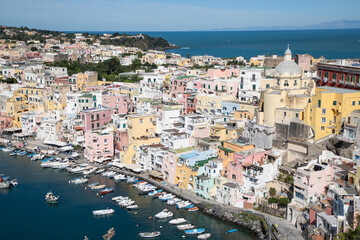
[[77, 203]]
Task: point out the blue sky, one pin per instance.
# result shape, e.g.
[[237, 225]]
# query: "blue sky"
[[171, 15]]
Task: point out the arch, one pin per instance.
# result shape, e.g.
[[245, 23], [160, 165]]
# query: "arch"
[[233, 177]]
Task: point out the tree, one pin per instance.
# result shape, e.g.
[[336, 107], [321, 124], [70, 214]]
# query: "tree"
[[34, 49], [283, 201], [272, 192]]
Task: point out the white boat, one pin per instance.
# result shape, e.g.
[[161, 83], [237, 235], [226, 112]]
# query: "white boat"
[[131, 179], [47, 164], [185, 227], [132, 207], [183, 204], [149, 234], [7, 149], [111, 174], [126, 203], [204, 236], [120, 177], [90, 171], [164, 214], [166, 197], [173, 201], [14, 182], [60, 165], [79, 180], [118, 198], [97, 187], [79, 169], [103, 212], [4, 184], [50, 198], [177, 221], [99, 171]]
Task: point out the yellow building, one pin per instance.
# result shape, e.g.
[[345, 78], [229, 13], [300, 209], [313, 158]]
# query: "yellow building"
[[329, 108], [142, 129], [228, 148], [243, 114], [185, 175], [223, 132], [257, 61], [211, 103], [86, 79]]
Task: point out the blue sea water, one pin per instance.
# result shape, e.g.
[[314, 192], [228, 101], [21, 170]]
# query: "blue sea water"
[[332, 44], [24, 214]]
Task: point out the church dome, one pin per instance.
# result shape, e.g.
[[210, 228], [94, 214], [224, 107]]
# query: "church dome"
[[287, 68]]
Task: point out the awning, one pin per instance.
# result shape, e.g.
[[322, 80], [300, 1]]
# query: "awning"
[[133, 167], [66, 148], [75, 154], [22, 135], [56, 143], [156, 174], [12, 130]]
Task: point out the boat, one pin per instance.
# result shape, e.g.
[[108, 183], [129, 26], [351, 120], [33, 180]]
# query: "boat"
[[164, 214], [46, 164], [154, 192], [22, 153], [7, 149], [132, 207], [50, 198], [166, 197], [204, 236], [37, 157], [149, 234], [125, 203], [79, 180], [103, 212], [90, 171], [177, 221], [79, 169], [185, 227], [183, 204], [15, 153], [93, 184], [111, 174], [4, 183], [194, 231], [193, 209], [14, 182], [107, 190], [99, 171], [173, 201], [119, 198], [97, 187], [120, 177], [60, 165], [31, 155], [231, 231]]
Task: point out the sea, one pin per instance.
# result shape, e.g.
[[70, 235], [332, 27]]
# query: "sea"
[[24, 214], [332, 44]]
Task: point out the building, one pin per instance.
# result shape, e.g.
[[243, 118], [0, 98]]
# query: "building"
[[98, 146], [95, 118]]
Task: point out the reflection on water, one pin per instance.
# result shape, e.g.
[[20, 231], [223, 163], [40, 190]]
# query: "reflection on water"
[[26, 214]]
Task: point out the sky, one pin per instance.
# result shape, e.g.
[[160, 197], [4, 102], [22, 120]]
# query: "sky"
[[171, 15]]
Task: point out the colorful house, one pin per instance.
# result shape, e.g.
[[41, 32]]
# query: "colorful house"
[[98, 146]]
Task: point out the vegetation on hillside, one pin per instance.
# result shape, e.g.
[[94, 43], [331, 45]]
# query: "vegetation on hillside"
[[109, 69]]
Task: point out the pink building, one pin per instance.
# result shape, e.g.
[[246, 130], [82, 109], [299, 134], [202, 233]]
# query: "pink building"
[[95, 118], [5, 122], [121, 141], [188, 100], [242, 159], [223, 73], [120, 103], [98, 145], [310, 182], [168, 168]]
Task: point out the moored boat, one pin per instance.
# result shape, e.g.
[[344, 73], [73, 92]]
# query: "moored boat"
[[204, 236], [50, 198], [97, 187], [177, 221], [194, 231], [193, 209], [107, 190], [79, 180], [103, 212], [164, 214], [149, 234], [185, 227], [132, 207]]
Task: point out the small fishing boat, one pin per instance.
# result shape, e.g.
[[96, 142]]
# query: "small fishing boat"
[[193, 209], [231, 231], [79, 180], [120, 177], [194, 231], [132, 207], [90, 170], [107, 190], [204, 236], [22, 153], [183, 204], [164, 214], [7, 149], [185, 227], [154, 192], [31, 155], [60, 165], [15, 153], [50, 198], [149, 234], [93, 184], [97, 187], [177, 221], [127, 202], [4, 183], [103, 212], [119, 198], [14, 182]]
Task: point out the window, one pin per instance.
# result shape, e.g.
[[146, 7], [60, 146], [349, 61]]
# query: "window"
[[323, 120], [241, 86], [322, 128], [286, 83], [267, 85], [284, 114], [323, 111], [124, 125], [92, 126], [334, 77], [334, 103], [319, 103], [254, 87], [348, 78], [353, 103], [342, 77], [141, 120], [98, 125], [326, 74], [295, 82], [105, 140], [296, 115]]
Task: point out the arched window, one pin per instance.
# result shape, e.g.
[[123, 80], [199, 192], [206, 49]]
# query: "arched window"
[[342, 77], [286, 83], [334, 76], [233, 176], [295, 82]]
